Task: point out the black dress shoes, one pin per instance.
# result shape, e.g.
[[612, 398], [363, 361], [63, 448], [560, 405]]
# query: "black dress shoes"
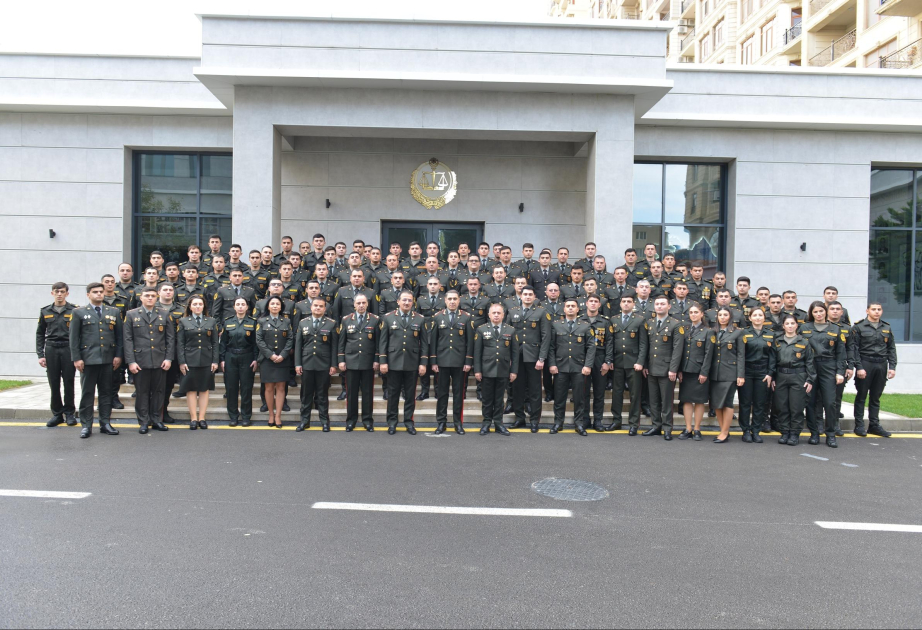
[[597, 427], [70, 420], [507, 408], [723, 441], [814, 439], [502, 430], [793, 439], [647, 412], [684, 435], [202, 424], [411, 429], [342, 396], [548, 399], [107, 429], [325, 427], [143, 429], [178, 395], [480, 396], [117, 404], [784, 438], [485, 429], [579, 429], [232, 423], [667, 435], [632, 431], [384, 395], [534, 427], [696, 436], [391, 430], [285, 406], [840, 433], [246, 423], [712, 414], [349, 428], [56, 421], [370, 428], [555, 428], [614, 426], [876, 429], [86, 432], [440, 429], [264, 408], [292, 383], [193, 425], [831, 441], [159, 426], [653, 432], [459, 428], [518, 423], [168, 419], [423, 395], [860, 432], [756, 438], [747, 437]]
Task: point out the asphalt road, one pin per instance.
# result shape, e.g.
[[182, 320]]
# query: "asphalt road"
[[215, 529]]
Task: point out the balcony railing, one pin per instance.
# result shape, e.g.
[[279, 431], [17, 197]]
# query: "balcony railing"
[[835, 50], [906, 57], [817, 5], [792, 33], [687, 39]]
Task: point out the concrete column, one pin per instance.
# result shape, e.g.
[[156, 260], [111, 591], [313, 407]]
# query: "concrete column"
[[609, 192], [257, 182]]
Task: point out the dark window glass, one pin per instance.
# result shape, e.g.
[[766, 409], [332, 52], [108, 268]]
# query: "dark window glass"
[[169, 184], [216, 184], [170, 235], [696, 245], [891, 198], [891, 263]]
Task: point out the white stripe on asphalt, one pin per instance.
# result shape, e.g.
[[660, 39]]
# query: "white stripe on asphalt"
[[44, 494], [822, 459], [440, 509], [871, 527]]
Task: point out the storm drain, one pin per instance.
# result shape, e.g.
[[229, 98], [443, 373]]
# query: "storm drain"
[[570, 489]]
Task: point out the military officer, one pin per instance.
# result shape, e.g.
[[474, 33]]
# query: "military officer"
[[718, 282], [451, 276], [586, 263], [214, 250], [635, 272], [238, 362], [533, 329], [474, 270], [744, 301], [383, 274], [620, 288], [542, 275], [874, 357], [571, 357], [195, 262], [173, 274], [291, 288], [505, 261], [189, 288], [151, 281], [223, 300], [427, 305], [660, 283], [699, 290], [629, 353], [602, 332], [496, 363], [722, 299], [828, 341], [316, 354], [475, 302], [302, 309], [95, 339], [358, 360], [527, 263], [669, 268], [830, 295], [643, 302], [755, 394], [198, 354], [113, 297], [403, 352], [287, 250], [790, 306], [389, 297], [343, 302], [678, 307], [150, 340], [167, 304], [52, 344], [794, 376], [563, 266], [666, 342], [836, 316], [451, 355], [575, 289], [553, 304], [499, 290], [599, 272], [255, 276], [219, 277], [125, 285]]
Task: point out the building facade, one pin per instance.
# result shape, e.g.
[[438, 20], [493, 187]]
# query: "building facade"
[[559, 133]]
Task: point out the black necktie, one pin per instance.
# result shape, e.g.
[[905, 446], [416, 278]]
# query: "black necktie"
[[361, 320], [99, 312], [452, 274], [496, 331], [721, 335], [198, 321], [659, 325], [451, 319], [545, 275], [237, 289], [406, 320], [624, 318], [570, 326], [316, 325]]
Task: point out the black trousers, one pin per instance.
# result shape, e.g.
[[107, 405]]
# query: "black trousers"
[[60, 367], [632, 380], [662, 397], [238, 378], [401, 381], [118, 377], [595, 393], [493, 393], [315, 391], [548, 379], [754, 398], [840, 390], [527, 386], [148, 405], [563, 383], [171, 377], [450, 378], [822, 400], [873, 384], [95, 378], [359, 382], [789, 401]]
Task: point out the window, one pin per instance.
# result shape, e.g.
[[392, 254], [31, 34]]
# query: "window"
[[179, 199], [747, 58], [705, 47], [705, 7], [679, 208], [797, 16], [895, 265], [718, 34], [768, 36], [872, 59]]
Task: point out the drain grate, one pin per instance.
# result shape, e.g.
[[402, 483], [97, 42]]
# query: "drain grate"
[[570, 489]]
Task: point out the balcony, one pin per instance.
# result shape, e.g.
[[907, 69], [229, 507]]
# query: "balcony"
[[840, 15], [629, 15], [834, 51], [687, 9], [687, 41], [905, 8], [791, 35], [906, 57]]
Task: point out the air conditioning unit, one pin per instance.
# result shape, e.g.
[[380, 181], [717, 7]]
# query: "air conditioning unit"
[[684, 26]]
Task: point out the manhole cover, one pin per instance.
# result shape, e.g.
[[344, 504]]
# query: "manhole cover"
[[570, 489]]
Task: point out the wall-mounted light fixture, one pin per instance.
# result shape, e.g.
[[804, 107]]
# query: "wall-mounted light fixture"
[[521, 207], [803, 247], [328, 203], [51, 233]]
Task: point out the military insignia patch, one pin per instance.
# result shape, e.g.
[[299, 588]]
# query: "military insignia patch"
[[579, 340], [161, 328], [534, 324], [370, 335], [681, 330], [729, 346], [797, 354], [632, 334], [832, 342], [713, 338], [248, 333], [700, 343]]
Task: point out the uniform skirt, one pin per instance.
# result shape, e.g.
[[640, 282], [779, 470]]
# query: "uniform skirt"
[[691, 391], [722, 393], [199, 379], [270, 372]]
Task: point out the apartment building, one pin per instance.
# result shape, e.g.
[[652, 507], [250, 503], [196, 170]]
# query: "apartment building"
[[883, 34]]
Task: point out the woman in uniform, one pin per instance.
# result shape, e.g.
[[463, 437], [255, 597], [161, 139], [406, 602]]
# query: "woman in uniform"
[[728, 370], [199, 355], [693, 376], [794, 376], [827, 341], [238, 362], [755, 393], [275, 342]]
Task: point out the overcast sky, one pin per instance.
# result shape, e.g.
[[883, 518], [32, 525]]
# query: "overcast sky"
[[169, 27]]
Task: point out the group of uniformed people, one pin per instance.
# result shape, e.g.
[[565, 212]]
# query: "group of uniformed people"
[[573, 330]]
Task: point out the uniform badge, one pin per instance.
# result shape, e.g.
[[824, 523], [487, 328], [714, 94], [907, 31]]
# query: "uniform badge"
[[700, 343], [111, 326], [768, 343], [461, 332], [713, 338], [284, 333], [416, 333], [832, 342], [507, 343], [248, 333], [632, 334], [797, 354], [324, 337], [665, 337], [681, 330], [160, 328], [208, 333], [370, 336], [534, 324], [579, 340]]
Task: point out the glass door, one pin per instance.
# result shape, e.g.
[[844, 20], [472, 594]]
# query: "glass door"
[[447, 235]]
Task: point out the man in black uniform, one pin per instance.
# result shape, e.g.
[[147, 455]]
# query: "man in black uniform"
[[790, 306], [543, 274], [358, 360], [214, 249], [52, 344], [224, 297], [315, 359], [167, 304], [239, 353], [836, 316], [428, 303], [666, 339], [451, 355], [150, 338], [563, 266], [112, 297], [496, 364], [533, 328], [602, 332], [403, 352], [874, 357], [571, 357], [629, 353], [345, 296], [96, 349]]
